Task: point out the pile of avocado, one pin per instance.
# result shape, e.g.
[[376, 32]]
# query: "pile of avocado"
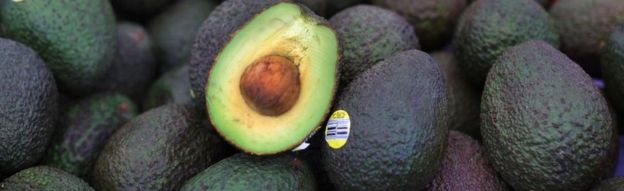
[[197, 95]]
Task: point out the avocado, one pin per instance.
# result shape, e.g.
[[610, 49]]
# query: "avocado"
[[612, 60], [172, 87], [83, 130], [488, 27], [134, 66], [367, 35], [464, 100], [545, 126], [247, 172], [398, 126], [44, 178], [433, 20], [140, 8], [268, 76], [158, 150], [585, 27], [75, 38], [174, 31], [465, 167], [28, 106], [612, 184]]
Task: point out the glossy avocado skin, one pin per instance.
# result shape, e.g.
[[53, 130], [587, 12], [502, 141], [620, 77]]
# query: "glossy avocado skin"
[[612, 60], [75, 38], [367, 35], [465, 167], [544, 124], [612, 184], [158, 150], [398, 112], [247, 172], [172, 87], [28, 106], [44, 178], [488, 27], [83, 130]]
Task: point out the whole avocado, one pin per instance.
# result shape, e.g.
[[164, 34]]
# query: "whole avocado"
[[75, 38], [398, 126], [158, 150], [488, 27], [247, 172], [44, 178], [28, 107], [84, 129], [544, 124]]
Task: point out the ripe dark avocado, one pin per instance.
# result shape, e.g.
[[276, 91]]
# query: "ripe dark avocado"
[[612, 184], [76, 39], [545, 126], [158, 150], [174, 31], [84, 129], [585, 26], [465, 167], [368, 34], [488, 27], [172, 87], [273, 67], [44, 178], [140, 8], [464, 100], [398, 112], [433, 20], [28, 106], [246, 172], [134, 66], [612, 60]]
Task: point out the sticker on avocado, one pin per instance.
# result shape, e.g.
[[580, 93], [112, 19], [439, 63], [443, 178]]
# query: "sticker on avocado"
[[337, 130]]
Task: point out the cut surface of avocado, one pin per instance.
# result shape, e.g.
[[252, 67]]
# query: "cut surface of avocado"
[[274, 82]]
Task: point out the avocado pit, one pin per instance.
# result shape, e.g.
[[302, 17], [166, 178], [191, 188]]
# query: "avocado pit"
[[271, 85]]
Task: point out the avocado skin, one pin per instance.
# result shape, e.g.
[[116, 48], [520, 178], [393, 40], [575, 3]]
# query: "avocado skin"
[[463, 98], [488, 27], [585, 27], [28, 106], [247, 172], [140, 8], [433, 20], [134, 66], [367, 35], [465, 167], [544, 124], [44, 178], [398, 112], [174, 31], [172, 87], [75, 38], [84, 129], [158, 150], [612, 60], [214, 34], [612, 184]]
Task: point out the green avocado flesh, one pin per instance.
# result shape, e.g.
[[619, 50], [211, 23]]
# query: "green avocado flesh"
[[285, 30]]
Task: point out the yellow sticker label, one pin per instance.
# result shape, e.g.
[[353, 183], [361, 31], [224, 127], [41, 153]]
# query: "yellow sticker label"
[[337, 129]]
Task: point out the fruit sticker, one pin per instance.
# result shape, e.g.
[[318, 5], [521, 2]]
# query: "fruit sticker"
[[337, 130]]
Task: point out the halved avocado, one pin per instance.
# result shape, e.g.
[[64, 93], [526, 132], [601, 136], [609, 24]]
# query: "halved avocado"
[[273, 82]]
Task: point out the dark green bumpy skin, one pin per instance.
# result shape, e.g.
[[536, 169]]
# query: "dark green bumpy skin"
[[612, 60], [367, 35], [158, 150], [488, 27], [172, 87], [28, 107], [44, 178], [612, 184], [134, 66], [465, 167], [398, 112], [544, 124], [246, 172], [76, 38], [174, 31], [84, 129]]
